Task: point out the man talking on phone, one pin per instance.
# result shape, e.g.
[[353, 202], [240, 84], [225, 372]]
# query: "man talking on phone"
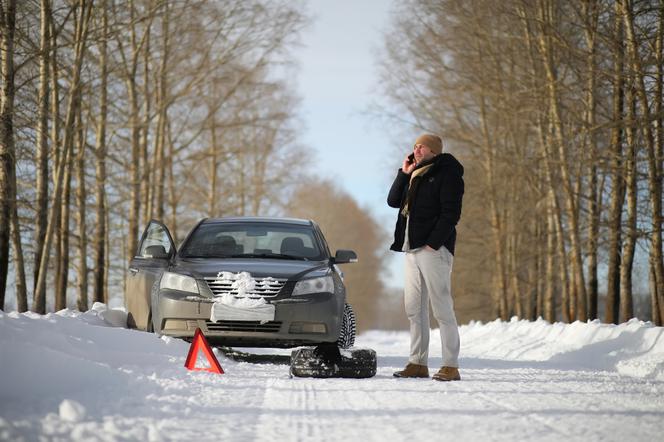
[[428, 190]]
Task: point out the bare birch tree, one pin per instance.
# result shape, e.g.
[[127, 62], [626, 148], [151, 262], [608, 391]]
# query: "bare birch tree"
[[83, 20], [534, 93], [654, 163], [41, 218], [7, 149], [100, 238], [120, 95]]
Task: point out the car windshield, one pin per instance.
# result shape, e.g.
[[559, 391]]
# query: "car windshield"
[[253, 240]]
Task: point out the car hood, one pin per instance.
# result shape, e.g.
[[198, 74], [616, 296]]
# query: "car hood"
[[259, 268]]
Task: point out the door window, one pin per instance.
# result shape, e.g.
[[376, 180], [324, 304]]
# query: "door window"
[[155, 235]]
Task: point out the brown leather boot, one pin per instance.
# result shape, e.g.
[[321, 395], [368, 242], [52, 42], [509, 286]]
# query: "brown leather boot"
[[447, 374], [413, 371]]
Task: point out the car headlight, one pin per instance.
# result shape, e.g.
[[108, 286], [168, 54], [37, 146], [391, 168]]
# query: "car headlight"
[[176, 281], [314, 285]]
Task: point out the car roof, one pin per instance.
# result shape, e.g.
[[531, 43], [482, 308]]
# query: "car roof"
[[258, 219]]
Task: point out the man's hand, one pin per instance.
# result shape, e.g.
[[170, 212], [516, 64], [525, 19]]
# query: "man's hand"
[[429, 248], [407, 167]]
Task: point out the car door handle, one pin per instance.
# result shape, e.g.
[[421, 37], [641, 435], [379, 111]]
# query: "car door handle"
[[133, 270]]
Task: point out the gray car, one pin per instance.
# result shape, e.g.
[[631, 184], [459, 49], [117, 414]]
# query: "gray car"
[[244, 281]]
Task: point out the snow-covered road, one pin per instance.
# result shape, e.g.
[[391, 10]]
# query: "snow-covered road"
[[72, 376]]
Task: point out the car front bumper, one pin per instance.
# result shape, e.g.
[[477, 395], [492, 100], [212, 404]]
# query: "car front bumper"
[[302, 320]]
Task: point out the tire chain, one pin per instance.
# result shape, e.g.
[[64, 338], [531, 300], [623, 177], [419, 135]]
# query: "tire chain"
[[348, 328]]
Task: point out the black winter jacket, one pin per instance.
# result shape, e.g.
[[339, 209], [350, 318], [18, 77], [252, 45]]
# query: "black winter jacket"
[[435, 208]]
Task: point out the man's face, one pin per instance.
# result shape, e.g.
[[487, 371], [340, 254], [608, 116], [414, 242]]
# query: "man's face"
[[422, 153]]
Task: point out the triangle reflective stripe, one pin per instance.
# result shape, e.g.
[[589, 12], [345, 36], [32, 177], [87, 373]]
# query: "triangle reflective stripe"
[[200, 343]]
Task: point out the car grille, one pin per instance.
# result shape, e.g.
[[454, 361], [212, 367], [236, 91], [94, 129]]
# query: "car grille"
[[265, 287], [244, 326]]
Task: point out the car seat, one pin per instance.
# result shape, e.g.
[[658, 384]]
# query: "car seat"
[[225, 245], [292, 245]]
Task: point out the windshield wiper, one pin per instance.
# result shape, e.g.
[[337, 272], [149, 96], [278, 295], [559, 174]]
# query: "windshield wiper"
[[269, 255]]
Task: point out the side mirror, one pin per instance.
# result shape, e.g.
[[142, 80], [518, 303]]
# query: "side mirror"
[[345, 256], [158, 252]]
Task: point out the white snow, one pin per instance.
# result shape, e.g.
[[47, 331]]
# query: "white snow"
[[243, 282], [241, 306], [239, 302], [231, 308], [79, 376], [71, 411]]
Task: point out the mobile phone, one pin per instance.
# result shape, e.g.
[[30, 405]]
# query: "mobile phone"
[[411, 157]]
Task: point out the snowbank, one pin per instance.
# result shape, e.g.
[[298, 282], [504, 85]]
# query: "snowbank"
[[82, 376], [69, 351], [634, 348]]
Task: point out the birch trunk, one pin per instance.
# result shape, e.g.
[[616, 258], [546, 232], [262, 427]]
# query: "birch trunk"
[[174, 199], [497, 228], [39, 298], [612, 308], [79, 49], [145, 131], [134, 125], [557, 229], [81, 197], [63, 264], [629, 245], [654, 163], [162, 106], [540, 268], [7, 149], [578, 301], [654, 301], [552, 205], [657, 288], [19, 265], [591, 13], [98, 291], [549, 301], [41, 203]]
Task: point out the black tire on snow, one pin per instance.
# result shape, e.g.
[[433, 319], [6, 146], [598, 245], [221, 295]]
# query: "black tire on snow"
[[149, 327], [362, 363], [347, 331], [356, 363], [305, 363], [131, 322]]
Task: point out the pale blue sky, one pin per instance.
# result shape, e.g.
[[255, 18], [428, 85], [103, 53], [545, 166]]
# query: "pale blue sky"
[[337, 81]]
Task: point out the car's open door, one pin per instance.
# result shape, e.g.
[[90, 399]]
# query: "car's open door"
[[153, 256]]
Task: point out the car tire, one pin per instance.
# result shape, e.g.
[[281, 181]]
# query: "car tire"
[[150, 326], [347, 331], [131, 322], [357, 363]]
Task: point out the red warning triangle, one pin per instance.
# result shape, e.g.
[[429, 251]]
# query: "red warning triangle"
[[200, 343]]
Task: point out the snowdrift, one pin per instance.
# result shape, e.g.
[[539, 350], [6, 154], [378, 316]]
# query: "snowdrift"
[[71, 375], [80, 349], [634, 348]]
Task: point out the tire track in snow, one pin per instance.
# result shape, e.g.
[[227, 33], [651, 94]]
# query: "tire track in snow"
[[326, 409], [289, 412], [529, 414]]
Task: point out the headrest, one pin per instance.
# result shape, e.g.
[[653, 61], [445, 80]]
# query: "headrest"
[[292, 244]]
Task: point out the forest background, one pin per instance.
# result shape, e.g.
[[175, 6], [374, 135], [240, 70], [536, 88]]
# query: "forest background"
[[113, 112]]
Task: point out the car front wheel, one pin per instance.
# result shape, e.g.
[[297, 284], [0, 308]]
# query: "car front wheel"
[[150, 326], [347, 333]]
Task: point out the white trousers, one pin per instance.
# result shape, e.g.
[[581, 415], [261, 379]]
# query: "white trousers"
[[428, 279]]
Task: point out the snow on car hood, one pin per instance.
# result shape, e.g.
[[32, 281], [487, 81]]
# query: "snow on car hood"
[[258, 268]]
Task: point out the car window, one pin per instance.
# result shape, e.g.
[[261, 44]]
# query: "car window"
[[252, 239], [156, 235]]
